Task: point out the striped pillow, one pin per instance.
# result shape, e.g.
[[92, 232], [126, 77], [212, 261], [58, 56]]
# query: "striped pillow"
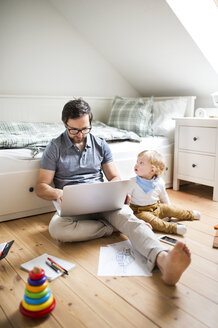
[[132, 114]]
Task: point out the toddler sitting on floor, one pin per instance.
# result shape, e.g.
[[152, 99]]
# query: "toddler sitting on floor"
[[149, 199]]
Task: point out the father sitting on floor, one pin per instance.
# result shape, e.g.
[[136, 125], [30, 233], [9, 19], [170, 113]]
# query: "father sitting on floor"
[[77, 156]]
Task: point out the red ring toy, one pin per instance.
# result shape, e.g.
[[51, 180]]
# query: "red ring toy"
[[36, 276], [37, 314]]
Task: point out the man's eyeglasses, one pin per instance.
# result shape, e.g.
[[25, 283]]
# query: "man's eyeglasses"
[[76, 131]]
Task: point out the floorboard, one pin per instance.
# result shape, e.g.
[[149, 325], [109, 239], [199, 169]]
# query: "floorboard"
[[87, 300]]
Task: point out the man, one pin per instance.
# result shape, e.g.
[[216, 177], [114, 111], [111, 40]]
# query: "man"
[[76, 156]]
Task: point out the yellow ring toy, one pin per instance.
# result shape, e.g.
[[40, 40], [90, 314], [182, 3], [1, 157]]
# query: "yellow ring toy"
[[39, 307], [36, 289]]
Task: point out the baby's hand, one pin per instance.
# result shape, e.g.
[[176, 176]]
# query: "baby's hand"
[[128, 199], [148, 224], [167, 219]]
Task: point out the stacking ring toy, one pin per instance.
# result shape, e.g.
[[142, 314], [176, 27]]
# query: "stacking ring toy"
[[37, 282], [36, 289], [36, 275], [37, 314], [39, 307], [37, 295], [37, 301]]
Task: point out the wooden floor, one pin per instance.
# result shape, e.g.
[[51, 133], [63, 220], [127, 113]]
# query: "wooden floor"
[[86, 300]]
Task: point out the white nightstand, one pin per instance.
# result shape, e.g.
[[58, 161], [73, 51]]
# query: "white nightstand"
[[196, 152]]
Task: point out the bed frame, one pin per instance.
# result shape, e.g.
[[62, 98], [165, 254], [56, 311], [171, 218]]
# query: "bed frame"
[[48, 108], [17, 194]]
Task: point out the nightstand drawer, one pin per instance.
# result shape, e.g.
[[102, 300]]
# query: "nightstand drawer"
[[197, 139], [197, 166]]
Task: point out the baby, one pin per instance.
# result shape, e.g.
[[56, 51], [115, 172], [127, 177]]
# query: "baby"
[[149, 199]]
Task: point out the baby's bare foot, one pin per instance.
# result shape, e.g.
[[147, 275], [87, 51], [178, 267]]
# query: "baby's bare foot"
[[174, 263]]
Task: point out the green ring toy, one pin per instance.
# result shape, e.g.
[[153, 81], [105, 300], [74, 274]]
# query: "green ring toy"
[[37, 301], [37, 295]]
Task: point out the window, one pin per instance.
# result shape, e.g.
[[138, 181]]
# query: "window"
[[200, 18]]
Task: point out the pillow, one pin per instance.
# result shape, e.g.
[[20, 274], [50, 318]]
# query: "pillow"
[[132, 114], [110, 133], [163, 112]]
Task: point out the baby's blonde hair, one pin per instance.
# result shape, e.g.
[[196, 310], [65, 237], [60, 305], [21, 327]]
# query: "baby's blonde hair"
[[156, 160]]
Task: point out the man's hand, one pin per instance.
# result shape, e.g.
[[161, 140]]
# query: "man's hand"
[[59, 196]]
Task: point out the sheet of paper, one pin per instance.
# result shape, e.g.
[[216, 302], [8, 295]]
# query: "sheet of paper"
[[40, 261], [121, 259]]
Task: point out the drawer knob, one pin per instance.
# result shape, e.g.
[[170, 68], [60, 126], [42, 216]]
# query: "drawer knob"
[[195, 138], [31, 189], [194, 165], [166, 168]]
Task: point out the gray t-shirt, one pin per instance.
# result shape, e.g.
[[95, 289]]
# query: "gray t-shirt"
[[72, 166]]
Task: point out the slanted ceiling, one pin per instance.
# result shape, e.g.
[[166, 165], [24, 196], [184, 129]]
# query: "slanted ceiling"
[[146, 43]]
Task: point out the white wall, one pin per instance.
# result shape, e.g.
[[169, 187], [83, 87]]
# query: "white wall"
[[41, 53], [100, 48], [146, 43]]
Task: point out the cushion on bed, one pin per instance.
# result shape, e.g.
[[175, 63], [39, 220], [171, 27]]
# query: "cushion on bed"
[[163, 112], [110, 133], [132, 114], [39, 134]]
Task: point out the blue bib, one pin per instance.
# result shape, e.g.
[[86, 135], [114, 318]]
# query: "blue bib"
[[147, 185]]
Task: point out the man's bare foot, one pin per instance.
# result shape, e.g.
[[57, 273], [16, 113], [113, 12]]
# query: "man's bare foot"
[[174, 263]]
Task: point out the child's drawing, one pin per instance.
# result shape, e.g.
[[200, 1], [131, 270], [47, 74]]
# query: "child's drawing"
[[125, 257], [120, 259]]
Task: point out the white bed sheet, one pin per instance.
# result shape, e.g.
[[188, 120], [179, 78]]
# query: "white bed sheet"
[[19, 153], [128, 149], [12, 160]]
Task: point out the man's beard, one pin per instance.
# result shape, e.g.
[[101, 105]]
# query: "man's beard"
[[76, 139]]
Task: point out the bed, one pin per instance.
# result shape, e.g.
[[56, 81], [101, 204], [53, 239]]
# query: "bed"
[[19, 165]]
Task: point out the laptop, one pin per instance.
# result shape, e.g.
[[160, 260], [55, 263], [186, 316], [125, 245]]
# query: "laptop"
[[90, 198]]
